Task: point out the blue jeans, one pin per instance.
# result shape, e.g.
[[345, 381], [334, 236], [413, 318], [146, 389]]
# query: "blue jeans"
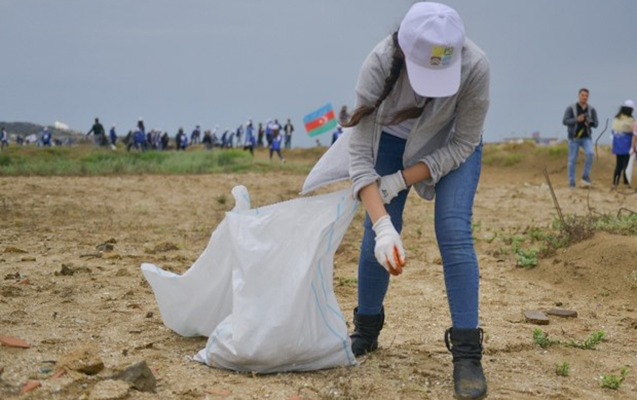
[[453, 210], [573, 150]]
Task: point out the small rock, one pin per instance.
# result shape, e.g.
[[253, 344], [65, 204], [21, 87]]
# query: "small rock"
[[149, 314], [105, 247], [26, 259], [438, 260], [109, 390], [10, 291], [139, 376], [66, 270], [11, 341], [560, 312], [30, 386], [514, 318], [536, 317], [84, 358], [11, 249], [58, 374], [91, 255], [218, 392], [122, 272], [162, 248], [46, 369], [15, 276]]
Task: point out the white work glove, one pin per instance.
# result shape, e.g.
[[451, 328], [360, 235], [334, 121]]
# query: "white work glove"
[[389, 249], [391, 185]]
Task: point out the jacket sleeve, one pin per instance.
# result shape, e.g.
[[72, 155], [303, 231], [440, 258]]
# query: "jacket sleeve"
[[569, 119], [595, 121], [471, 111], [361, 143]]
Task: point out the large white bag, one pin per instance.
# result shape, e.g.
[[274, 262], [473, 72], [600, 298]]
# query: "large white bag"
[[262, 289]]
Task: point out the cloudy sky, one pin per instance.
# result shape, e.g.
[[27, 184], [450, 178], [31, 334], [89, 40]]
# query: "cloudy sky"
[[180, 63]]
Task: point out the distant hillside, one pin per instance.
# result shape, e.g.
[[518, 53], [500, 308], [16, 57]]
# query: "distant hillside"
[[28, 128]]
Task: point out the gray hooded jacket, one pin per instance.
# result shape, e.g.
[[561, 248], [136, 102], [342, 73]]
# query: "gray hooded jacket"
[[443, 137]]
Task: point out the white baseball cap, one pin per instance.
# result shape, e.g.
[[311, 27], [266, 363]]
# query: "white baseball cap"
[[432, 36], [629, 103]]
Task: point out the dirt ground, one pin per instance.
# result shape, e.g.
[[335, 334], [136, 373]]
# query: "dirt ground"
[[167, 221]]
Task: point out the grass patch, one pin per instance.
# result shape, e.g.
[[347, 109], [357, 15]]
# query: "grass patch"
[[341, 281], [534, 243], [562, 369], [542, 339], [72, 161], [612, 381]]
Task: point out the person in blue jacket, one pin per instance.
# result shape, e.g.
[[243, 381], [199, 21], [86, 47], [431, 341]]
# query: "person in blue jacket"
[[139, 139], [194, 136], [113, 137], [337, 133], [276, 145], [46, 137], [184, 141], [623, 127]]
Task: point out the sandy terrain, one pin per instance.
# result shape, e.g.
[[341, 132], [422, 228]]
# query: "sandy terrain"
[[168, 220]]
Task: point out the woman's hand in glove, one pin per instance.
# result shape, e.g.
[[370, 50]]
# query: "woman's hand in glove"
[[389, 249], [391, 185]]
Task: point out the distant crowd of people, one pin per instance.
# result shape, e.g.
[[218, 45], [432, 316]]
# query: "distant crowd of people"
[[44, 139], [270, 134]]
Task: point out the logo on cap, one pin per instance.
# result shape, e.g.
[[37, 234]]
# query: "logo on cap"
[[440, 56]]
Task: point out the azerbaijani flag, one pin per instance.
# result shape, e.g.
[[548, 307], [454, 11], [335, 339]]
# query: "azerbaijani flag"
[[320, 121]]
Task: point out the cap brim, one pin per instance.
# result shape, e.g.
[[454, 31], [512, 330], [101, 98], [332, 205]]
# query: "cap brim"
[[429, 82]]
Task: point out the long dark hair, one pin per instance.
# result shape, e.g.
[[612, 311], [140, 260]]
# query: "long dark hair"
[[627, 111], [397, 65]]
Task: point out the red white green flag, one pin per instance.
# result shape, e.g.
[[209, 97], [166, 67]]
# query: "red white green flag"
[[320, 121]]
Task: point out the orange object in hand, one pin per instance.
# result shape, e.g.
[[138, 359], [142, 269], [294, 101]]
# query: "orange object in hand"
[[398, 262]]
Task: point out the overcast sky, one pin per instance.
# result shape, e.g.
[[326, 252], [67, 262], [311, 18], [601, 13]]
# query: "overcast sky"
[[184, 62]]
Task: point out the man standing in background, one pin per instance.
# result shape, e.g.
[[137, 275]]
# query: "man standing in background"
[[98, 132], [196, 133], [4, 138], [288, 129], [580, 118]]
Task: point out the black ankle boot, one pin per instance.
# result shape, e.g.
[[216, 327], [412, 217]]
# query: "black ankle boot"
[[466, 348], [366, 331]]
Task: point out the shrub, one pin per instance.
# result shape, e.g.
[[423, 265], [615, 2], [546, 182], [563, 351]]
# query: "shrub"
[[612, 381]]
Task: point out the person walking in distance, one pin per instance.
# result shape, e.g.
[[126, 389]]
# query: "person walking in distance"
[[623, 140], [580, 118], [113, 137], [421, 102], [98, 132]]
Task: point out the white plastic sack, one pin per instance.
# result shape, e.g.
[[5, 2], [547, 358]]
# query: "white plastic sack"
[[262, 289], [332, 167]]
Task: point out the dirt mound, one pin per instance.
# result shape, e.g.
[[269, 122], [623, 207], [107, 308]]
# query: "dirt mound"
[[601, 266]]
